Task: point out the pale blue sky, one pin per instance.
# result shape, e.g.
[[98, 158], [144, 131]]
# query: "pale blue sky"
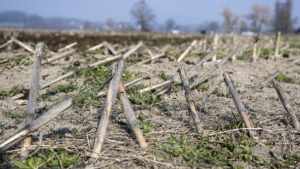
[[183, 11]]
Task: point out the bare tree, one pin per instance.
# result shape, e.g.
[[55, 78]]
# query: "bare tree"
[[283, 20], [110, 23], [170, 25], [259, 17], [143, 15], [87, 26], [230, 20], [213, 26], [243, 26]]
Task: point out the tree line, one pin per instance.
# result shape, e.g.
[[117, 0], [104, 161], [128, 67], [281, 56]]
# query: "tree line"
[[258, 20]]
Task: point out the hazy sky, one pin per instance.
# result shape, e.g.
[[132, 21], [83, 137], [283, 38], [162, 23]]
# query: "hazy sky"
[[183, 11]]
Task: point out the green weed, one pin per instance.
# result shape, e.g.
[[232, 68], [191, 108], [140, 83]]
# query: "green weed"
[[219, 93], [51, 158], [193, 55], [162, 75], [93, 83], [246, 55], [9, 93], [147, 98], [265, 53], [176, 88], [210, 151], [14, 114], [127, 75], [145, 124], [289, 52], [201, 88], [18, 60], [58, 89], [284, 78]]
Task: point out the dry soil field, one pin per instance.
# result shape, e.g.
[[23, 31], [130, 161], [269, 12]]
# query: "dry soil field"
[[163, 114]]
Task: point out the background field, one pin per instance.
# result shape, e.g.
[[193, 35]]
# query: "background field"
[[173, 142]]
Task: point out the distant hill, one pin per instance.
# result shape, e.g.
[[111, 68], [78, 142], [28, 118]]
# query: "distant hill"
[[12, 16], [19, 19], [22, 20]]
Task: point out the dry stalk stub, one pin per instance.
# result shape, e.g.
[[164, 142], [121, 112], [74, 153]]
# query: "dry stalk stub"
[[25, 46], [110, 99], [103, 93], [201, 61], [171, 81], [102, 62], [254, 53], [152, 58], [261, 84], [234, 39], [59, 56], [34, 88], [214, 47], [111, 49], [130, 115], [238, 103], [187, 51], [6, 43], [118, 57], [67, 47], [96, 47], [286, 105], [35, 124], [189, 100], [277, 45], [206, 75]]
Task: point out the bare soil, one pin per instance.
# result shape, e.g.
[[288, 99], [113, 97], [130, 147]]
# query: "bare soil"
[[74, 130]]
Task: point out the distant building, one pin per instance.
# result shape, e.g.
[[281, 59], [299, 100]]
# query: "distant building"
[[249, 33], [175, 31]]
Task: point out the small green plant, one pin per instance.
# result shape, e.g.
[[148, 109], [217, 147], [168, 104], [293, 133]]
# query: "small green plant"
[[246, 55], [86, 96], [147, 98], [93, 83], [58, 89], [145, 124], [224, 151], [176, 88], [201, 88], [220, 56], [14, 114], [93, 76], [265, 52], [9, 93], [292, 159], [163, 75], [238, 167], [284, 78], [132, 90], [127, 76], [18, 60], [170, 52], [136, 58], [193, 55], [218, 93], [51, 158], [288, 52]]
